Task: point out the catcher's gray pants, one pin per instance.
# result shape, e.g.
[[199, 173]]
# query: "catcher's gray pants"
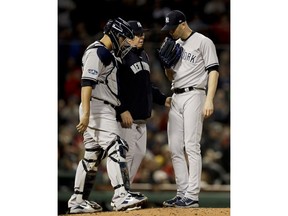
[[101, 139]]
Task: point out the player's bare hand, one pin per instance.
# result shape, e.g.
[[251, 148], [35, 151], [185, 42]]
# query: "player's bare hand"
[[83, 124], [168, 101], [127, 119], [208, 109]]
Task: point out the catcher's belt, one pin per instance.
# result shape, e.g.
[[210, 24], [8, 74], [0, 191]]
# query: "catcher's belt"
[[187, 89], [104, 101]]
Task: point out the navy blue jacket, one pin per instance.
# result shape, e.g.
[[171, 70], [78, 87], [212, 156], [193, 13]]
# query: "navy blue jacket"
[[136, 91]]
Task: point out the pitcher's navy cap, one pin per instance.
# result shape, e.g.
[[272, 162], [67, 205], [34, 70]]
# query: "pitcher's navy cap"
[[173, 19]]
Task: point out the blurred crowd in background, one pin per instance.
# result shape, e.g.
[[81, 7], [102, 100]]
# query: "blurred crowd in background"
[[81, 23]]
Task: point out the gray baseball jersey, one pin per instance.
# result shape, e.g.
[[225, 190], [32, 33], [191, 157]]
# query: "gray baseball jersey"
[[199, 53], [107, 87], [100, 66]]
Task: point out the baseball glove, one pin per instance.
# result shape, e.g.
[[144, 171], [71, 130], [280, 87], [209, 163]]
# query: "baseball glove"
[[170, 52]]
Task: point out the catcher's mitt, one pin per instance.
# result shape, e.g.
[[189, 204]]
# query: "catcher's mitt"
[[170, 52]]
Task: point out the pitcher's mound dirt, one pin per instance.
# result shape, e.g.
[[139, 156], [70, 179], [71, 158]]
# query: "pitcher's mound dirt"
[[163, 212]]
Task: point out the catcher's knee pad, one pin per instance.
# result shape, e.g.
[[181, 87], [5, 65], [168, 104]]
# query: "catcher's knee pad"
[[86, 171], [117, 153]]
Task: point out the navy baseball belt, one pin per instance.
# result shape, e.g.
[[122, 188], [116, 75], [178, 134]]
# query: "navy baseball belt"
[[187, 89], [104, 101]]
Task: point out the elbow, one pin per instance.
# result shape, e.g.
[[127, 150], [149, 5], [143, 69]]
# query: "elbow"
[[214, 73]]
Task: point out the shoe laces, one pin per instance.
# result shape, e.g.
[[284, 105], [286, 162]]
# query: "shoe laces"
[[185, 199], [177, 198], [91, 203], [174, 199]]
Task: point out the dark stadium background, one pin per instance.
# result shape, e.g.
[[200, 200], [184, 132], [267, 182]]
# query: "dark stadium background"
[[79, 24]]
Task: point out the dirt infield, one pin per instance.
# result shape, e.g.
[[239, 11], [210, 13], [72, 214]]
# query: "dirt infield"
[[163, 212]]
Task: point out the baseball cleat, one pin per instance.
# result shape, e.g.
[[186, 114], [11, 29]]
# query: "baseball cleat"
[[128, 203], [138, 195], [171, 202], [187, 203], [85, 207]]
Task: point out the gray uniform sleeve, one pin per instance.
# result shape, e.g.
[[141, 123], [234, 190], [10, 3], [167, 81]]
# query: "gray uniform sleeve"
[[91, 65], [209, 53]]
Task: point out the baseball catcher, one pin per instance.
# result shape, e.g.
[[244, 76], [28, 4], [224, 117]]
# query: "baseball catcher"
[[170, 52]]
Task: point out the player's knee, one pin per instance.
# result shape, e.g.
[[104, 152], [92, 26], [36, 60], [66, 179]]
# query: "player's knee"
[[92, 158], [117, 150]]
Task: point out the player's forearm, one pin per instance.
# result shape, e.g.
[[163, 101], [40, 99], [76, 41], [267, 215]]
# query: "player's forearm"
[[169, 74], [86, 92], [212, 84]]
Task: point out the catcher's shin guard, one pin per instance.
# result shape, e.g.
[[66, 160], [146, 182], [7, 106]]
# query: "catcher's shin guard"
[[86, 172], [116, 164]]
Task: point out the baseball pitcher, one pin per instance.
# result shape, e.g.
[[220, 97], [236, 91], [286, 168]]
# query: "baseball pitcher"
[[191, 63]]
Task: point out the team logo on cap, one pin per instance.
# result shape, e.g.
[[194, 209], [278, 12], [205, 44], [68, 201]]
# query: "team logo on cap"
[[167, 20]]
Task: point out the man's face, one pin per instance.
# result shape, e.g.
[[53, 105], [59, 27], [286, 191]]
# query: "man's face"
[[138, 40], [176, 32]]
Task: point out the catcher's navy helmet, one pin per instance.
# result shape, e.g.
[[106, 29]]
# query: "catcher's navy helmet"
[[119, 28]]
